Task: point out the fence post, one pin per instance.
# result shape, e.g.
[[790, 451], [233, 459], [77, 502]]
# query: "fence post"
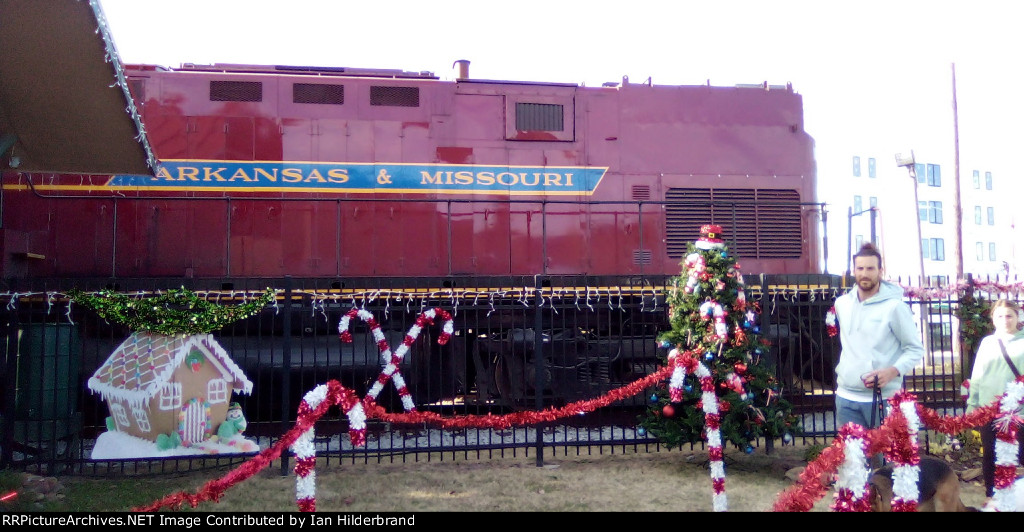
[[10, 322], [539, 369], [286, 367], [769, 443]]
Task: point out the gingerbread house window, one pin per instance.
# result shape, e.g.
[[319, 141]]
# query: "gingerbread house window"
[[141, 418], [217, 391], [170, 396], [120, 416]]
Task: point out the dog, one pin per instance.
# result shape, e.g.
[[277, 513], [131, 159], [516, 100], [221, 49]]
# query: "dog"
[[938, 487]]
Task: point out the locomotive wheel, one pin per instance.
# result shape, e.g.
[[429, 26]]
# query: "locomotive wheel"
[[516, 383]]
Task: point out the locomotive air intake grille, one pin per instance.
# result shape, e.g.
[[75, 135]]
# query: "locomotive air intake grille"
[[758, 223]]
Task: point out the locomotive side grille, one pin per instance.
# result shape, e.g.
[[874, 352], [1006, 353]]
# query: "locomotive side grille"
[[641, 257], [641, 192], [318, 93], [539, 117], [236, 91], [760, 223], [394, 96]]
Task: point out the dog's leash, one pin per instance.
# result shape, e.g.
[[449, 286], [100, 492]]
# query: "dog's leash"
[[877, 405]]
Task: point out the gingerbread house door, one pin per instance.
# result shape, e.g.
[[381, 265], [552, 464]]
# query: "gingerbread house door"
[[194, 422]]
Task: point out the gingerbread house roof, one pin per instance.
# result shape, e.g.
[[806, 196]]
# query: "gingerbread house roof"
[[144, 362]]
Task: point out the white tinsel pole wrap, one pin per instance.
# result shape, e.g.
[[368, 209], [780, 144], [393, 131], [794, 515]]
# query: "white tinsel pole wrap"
[[905, 490], [1007, 424], [305, 453], [712, 423], [853, 475], [675, 382]]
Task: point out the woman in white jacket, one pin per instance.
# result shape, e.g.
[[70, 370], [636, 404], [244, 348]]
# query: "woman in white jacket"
[[990, 375]]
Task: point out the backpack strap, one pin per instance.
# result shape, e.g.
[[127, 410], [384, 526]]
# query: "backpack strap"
[[1006, 356]]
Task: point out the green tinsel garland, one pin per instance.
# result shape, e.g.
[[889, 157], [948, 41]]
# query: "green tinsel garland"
[[179, 311]]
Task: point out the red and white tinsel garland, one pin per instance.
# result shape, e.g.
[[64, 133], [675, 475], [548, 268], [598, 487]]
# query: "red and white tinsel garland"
[[831, 325], [392, 361], [682, 363], [1007, 424]]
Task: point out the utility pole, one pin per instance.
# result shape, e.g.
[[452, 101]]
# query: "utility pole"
[[958, 212]]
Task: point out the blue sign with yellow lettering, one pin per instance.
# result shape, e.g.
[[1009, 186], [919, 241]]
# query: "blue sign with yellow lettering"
[[366, 178]]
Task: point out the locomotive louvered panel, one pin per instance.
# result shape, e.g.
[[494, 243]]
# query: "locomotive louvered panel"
[[641, 192], [394, 96], [758, 223], [539, 117], [236, 91], [683, 219], [318, 93]]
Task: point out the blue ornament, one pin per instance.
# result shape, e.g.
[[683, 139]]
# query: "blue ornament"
[[654, 398], [756, 329], [725, 253], [787, 438], [709, 356], [746, 324], [749, 449], [665, 344], [688, 388], [641, 431]]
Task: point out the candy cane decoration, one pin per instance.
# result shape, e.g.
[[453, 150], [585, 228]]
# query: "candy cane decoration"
[[852, 484], [711, 308], [392, 361], [712, 421], [305, 451], [1003, 496]]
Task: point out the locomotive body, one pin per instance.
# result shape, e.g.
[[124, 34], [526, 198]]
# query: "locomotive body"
[[316, 172]]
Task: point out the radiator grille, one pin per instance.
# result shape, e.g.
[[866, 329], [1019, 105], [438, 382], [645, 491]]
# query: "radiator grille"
[[758, 223], [318, 93], [236, 91], [395, 96]]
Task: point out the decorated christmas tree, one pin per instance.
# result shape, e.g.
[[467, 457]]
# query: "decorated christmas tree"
[[714, 325]]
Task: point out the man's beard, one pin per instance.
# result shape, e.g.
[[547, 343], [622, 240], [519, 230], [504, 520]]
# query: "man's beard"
[[870, 284]]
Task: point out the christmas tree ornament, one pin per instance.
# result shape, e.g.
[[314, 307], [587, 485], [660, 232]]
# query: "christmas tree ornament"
[[668, 411], [654, 398], [787, 438]]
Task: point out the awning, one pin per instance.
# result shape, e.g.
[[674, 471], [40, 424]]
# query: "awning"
[[64, 101]]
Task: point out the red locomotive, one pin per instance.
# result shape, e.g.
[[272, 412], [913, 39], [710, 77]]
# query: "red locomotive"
[[331, 172]]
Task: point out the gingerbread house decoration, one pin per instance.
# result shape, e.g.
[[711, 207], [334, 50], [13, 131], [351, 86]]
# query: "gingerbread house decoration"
[[155, 384]]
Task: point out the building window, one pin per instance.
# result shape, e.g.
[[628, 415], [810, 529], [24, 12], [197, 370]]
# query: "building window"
[[873, 201], [919, 171], [924, 249], [856, 166], [991, 215], [977, 179], [934, 175], [119, 414], [217, 391], [977, 215], [992, 251], [937, 249], [979, 251], [858, 241], [922, 211], [871, 167], [857, 204], [988, 180], [141, 418], [935, 212]]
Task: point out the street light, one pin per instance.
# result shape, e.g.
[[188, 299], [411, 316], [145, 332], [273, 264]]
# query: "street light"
[[849, 232], [911, 165]]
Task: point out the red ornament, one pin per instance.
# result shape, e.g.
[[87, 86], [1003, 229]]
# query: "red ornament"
[[740, 367], [668, 411]]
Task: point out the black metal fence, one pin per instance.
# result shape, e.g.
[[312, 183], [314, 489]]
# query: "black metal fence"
[[594, 335]]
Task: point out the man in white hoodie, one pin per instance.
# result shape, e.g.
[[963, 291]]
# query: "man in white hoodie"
[[880, 343]]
